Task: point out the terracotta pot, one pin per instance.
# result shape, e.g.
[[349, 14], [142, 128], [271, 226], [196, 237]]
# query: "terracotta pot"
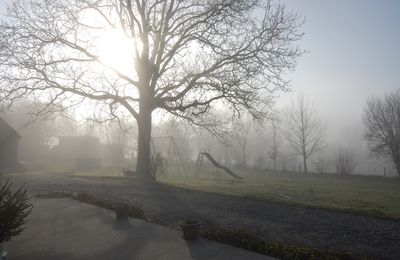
[[121, 211], [190, 229]]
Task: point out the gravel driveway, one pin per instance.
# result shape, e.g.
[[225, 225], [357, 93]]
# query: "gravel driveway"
[[361, 235]]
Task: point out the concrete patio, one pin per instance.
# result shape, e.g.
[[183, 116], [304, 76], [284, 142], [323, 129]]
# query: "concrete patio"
[[68, 229]]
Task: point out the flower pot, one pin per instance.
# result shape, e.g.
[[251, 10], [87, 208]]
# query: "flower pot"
[[121, 211], [190, 229]]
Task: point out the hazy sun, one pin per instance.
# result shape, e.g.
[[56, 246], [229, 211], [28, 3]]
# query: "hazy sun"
[[116, 50]]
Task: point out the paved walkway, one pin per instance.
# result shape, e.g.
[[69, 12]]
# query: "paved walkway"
[[68, 229]]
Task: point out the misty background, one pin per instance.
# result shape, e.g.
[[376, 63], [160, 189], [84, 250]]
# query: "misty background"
[[351, 54]]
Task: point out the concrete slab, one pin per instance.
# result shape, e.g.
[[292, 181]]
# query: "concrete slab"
[[68, 229]]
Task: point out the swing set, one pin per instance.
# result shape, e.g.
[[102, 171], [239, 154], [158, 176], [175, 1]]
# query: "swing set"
[[171, 147]]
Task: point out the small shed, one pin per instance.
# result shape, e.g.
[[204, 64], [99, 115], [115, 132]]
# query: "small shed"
[[8, 147]]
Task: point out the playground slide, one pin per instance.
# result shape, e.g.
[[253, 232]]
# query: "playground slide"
[[216, 164]]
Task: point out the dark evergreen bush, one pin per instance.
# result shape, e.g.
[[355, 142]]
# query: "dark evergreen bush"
[[14, 209]]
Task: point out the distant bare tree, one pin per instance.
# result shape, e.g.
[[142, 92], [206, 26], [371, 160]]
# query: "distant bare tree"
[[284, 162], [241, 130], [321, 165], [186, 57], [382, 123], [345, 161], [304, 131], [275, 145]]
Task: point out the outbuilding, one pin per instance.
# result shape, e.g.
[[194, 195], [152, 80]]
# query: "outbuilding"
[[8, 147]]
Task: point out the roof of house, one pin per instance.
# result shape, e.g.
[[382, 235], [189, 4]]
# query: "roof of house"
[[7, 132]]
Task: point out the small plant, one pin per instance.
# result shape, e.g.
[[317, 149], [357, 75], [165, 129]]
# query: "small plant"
[[158, 164], [14, 209]]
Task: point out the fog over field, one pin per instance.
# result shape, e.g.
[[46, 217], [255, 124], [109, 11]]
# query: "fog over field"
[[348, 58], [351, 57]]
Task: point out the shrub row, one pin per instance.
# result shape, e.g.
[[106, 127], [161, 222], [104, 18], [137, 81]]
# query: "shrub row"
[[250, 241]]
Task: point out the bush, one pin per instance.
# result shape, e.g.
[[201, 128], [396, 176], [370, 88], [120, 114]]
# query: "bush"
[[14, 209], [158, 164], [345, 161]]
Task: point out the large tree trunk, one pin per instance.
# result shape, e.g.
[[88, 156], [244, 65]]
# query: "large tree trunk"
[[144, 140]]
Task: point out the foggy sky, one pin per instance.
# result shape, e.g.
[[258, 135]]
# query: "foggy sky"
[[352, 53]]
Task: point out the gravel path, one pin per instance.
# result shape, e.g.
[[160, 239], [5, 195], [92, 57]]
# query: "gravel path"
[[361, 235]]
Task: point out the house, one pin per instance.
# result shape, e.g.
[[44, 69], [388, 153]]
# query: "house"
[[8, 147], [83, 151]]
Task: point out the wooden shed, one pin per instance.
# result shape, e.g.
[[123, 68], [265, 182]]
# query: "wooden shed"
[[8, 147]]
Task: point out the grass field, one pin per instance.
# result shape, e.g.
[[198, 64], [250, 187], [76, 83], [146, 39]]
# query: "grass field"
[[368, 195], [375, 196]]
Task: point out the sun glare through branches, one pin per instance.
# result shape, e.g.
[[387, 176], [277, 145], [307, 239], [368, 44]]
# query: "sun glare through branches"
[[116, 50]]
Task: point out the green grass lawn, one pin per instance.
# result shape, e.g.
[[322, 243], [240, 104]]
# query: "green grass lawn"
[[374, 196]]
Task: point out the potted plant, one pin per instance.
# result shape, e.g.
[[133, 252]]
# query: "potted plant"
[[121, 211], [190, 229], [14, 209]]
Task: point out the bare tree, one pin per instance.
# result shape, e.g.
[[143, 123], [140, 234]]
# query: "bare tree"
[[275, 145], [382, 122], [321, 165], [186, 55], [241, 130], [345, 161], [304, 131], [284, 162]]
